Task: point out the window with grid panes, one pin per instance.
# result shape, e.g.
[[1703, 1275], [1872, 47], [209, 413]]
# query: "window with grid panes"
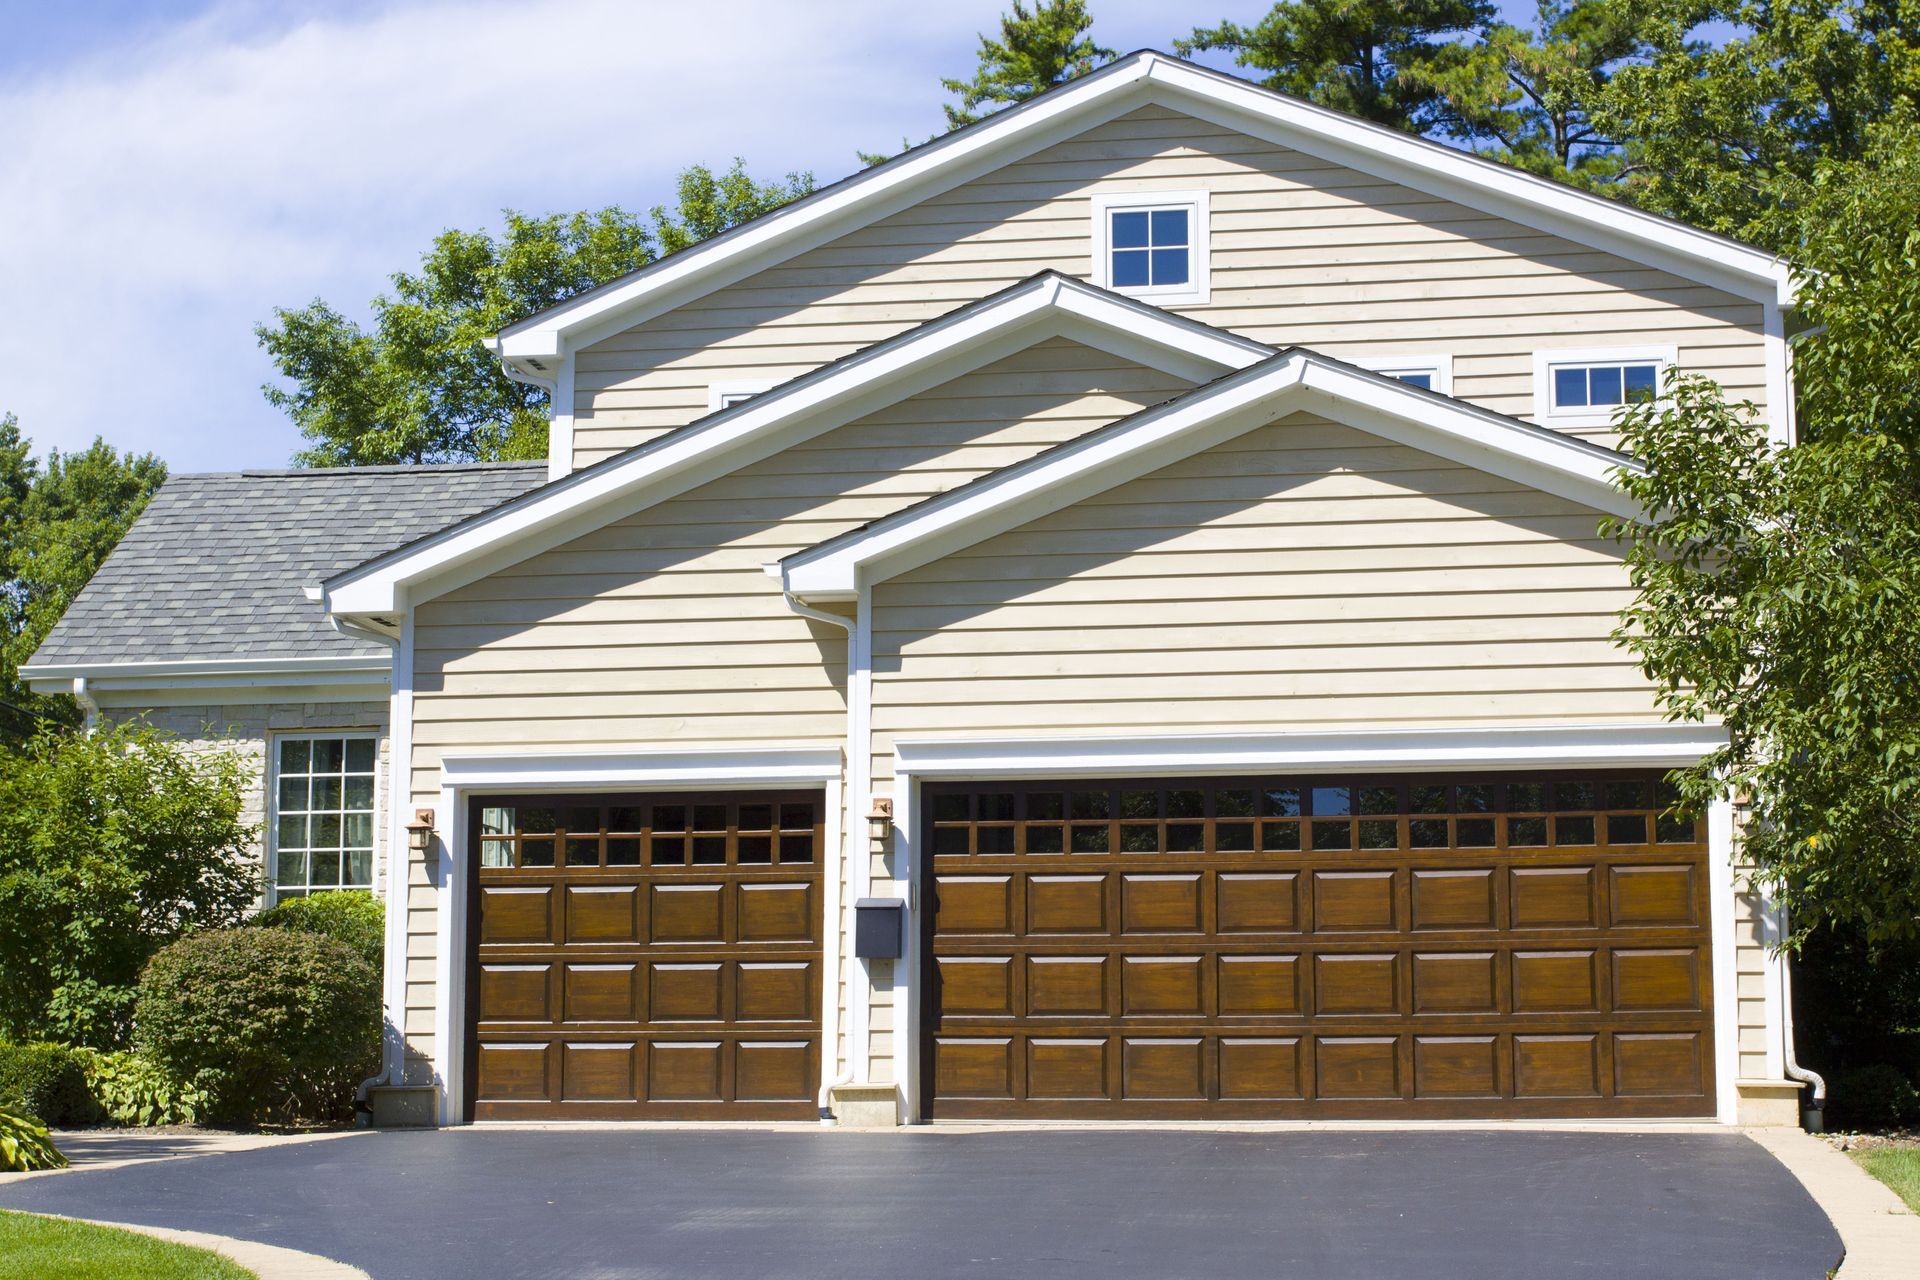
[[666, 831], [323, 813]]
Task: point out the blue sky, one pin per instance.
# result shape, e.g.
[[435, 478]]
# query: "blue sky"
[[175, 170]]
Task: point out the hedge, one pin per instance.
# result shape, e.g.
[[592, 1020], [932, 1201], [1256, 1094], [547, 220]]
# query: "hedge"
[[48, 1081]]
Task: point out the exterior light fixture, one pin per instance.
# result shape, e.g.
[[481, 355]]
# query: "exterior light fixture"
[[420, 833], [880, 820]]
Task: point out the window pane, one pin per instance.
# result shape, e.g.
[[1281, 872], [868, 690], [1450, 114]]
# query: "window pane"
[[1428, 799], [582, 852], [996, 807], [1233, 804], [950, 809], [800, 848], [360, 755], [328, 754], [623, 852], [796, 817], [1090, 839], [1090, 804], [1139, 804], [293, 755], [1282, 802], [754, 849], [496, 853], [1427, 833], [326, 831], [1046, 806], [1279, 836], [1526, 832], [293, 832], [359, 869], [623, 818], [1474, 833], [1186, 837], [755, 817], [496, 822], [1640, 381], [359, 793], [1129, 268], [1046, 839], [292, 868], [1379, 800], [1604, 385], [1170, 228], [1186, 804], [580, 819], [709, 817], [1332, 835], [536, 853], [1416, 379], [1233, 837], [359, 831], [1169, 266], [1569, 388], [1379, 833], [326, 793], [993, 839], [326, 869], [1130, 230], [1331, 802], [293, 795], [669, 817]]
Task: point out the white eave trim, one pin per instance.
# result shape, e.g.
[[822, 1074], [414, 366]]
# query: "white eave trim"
[[1129, 82], [640, 769], [1471, 747], [211, 672], [1202, 419], [1047, 305]]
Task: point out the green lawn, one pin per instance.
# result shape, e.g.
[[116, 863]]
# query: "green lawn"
[[50, 1249], [1898, 1167]]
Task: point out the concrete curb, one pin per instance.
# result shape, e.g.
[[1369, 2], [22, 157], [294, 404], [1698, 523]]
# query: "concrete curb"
[[214, 1143], [1881, 1235], [268, 1261]]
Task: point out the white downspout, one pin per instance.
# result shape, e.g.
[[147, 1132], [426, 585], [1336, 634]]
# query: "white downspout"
[[1816, 1109], [88, 707], [830, 909]]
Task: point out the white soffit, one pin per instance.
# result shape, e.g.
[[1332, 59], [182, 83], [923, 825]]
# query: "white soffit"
[[1045, 306], [1203, 418], [1140, 79]]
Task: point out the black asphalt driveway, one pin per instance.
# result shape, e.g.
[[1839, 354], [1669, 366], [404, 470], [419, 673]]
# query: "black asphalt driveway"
[[918, 1204]]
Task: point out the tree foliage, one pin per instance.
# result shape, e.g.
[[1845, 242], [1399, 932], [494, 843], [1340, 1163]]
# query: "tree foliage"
[[1375, 59], [111, 845], [1035, 50], [1779, 588], [418, 384], [59, 518]]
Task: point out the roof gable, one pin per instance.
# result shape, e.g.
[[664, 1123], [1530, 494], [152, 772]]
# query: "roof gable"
[[536, 344], [1207, 416], [1046, 306]]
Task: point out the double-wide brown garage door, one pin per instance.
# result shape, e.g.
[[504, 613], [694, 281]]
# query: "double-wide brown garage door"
[[1316, 947], [650, 956]]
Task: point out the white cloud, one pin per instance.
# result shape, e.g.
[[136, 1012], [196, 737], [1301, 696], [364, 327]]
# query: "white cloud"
[[158, 200]]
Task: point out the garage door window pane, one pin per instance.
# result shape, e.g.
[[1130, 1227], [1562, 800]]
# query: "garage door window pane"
[[324, 816]]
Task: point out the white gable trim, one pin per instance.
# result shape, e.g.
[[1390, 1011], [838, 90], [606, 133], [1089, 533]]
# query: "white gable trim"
[[1131, 82], [1049, 305], [1209, 416]]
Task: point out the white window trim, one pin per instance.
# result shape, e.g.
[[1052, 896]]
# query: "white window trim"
[[1439, 364], [1199, 286], [718, 392], [270, 804], [1667, 358]]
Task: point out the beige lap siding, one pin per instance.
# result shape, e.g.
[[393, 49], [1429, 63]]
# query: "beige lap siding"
[[664, 628], [1304, 252]]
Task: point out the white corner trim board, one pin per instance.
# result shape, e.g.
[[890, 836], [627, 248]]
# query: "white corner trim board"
[[1044, 306], [1137, 80], [1203, 418]]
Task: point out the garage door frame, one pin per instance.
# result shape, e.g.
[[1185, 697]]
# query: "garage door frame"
[[1434, 749], [464, 776]]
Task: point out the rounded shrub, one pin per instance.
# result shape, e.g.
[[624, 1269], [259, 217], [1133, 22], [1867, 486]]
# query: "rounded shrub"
[[352, 916], [1875, 1097], [271, 1024], [48, 1081]]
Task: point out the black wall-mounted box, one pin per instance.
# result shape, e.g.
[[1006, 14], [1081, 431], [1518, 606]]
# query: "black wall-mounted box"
[[879, 928]]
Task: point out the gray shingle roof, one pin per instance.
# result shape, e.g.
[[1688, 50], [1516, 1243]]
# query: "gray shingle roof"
[[216, 566]]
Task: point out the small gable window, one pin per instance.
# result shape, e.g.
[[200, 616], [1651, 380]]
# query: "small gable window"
[[1152, 243], [1430, 372], [1592, 386]]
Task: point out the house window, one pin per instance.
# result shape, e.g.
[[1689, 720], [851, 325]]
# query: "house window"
[[1433, 372], [724, 395], [1590, 387], [1152, 243], [323, 813]]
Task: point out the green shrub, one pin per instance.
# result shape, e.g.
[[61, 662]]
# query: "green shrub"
[[132, 1089], [1875, 1097], [273, 1024], [25, 1146], [47, 1081], [350, 915]]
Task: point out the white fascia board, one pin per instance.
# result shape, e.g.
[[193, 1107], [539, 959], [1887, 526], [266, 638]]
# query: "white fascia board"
[[813, 221], [916, 361], [1478, 184], [58, 677], [1468, 747], [640, 769], [1204, 418]]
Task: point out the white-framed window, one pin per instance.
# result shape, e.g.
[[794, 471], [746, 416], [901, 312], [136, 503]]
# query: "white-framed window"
[[325, 806], [1588, 387], [724, 395], [1153, 244], [1426, 369]]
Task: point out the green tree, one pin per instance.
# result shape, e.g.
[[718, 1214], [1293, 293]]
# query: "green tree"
[[1035, 51], [418, 385], [1371, 58], [1779, 588], [111, 845], [1729, 135], [1527, 97], [58, 520]]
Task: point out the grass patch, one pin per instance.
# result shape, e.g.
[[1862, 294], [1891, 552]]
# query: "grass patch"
[[53, 1249], [1898, 1167]]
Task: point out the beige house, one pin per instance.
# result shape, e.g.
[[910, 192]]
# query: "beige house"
[[1101, 616]]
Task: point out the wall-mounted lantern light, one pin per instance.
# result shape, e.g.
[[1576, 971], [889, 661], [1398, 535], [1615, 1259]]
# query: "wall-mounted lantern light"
[[880, 820], [420, 833]]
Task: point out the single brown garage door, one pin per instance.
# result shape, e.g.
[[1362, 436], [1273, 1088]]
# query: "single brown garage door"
[[651, 956], [1316, 947]]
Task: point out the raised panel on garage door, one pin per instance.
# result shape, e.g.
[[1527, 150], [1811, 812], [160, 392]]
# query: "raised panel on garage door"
[[645, 956], [1361, 946]]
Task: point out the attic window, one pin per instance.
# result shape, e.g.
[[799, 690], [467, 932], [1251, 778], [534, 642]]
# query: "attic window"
[[1433, 372], [1591, 387], [1152, 244]]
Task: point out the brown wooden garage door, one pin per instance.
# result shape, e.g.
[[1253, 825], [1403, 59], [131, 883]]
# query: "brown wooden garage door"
[[1316, 947], [650, 956]]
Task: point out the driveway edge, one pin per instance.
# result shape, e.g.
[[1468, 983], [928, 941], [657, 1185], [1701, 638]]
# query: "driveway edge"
[[1881, 1235], [268, 1261]]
